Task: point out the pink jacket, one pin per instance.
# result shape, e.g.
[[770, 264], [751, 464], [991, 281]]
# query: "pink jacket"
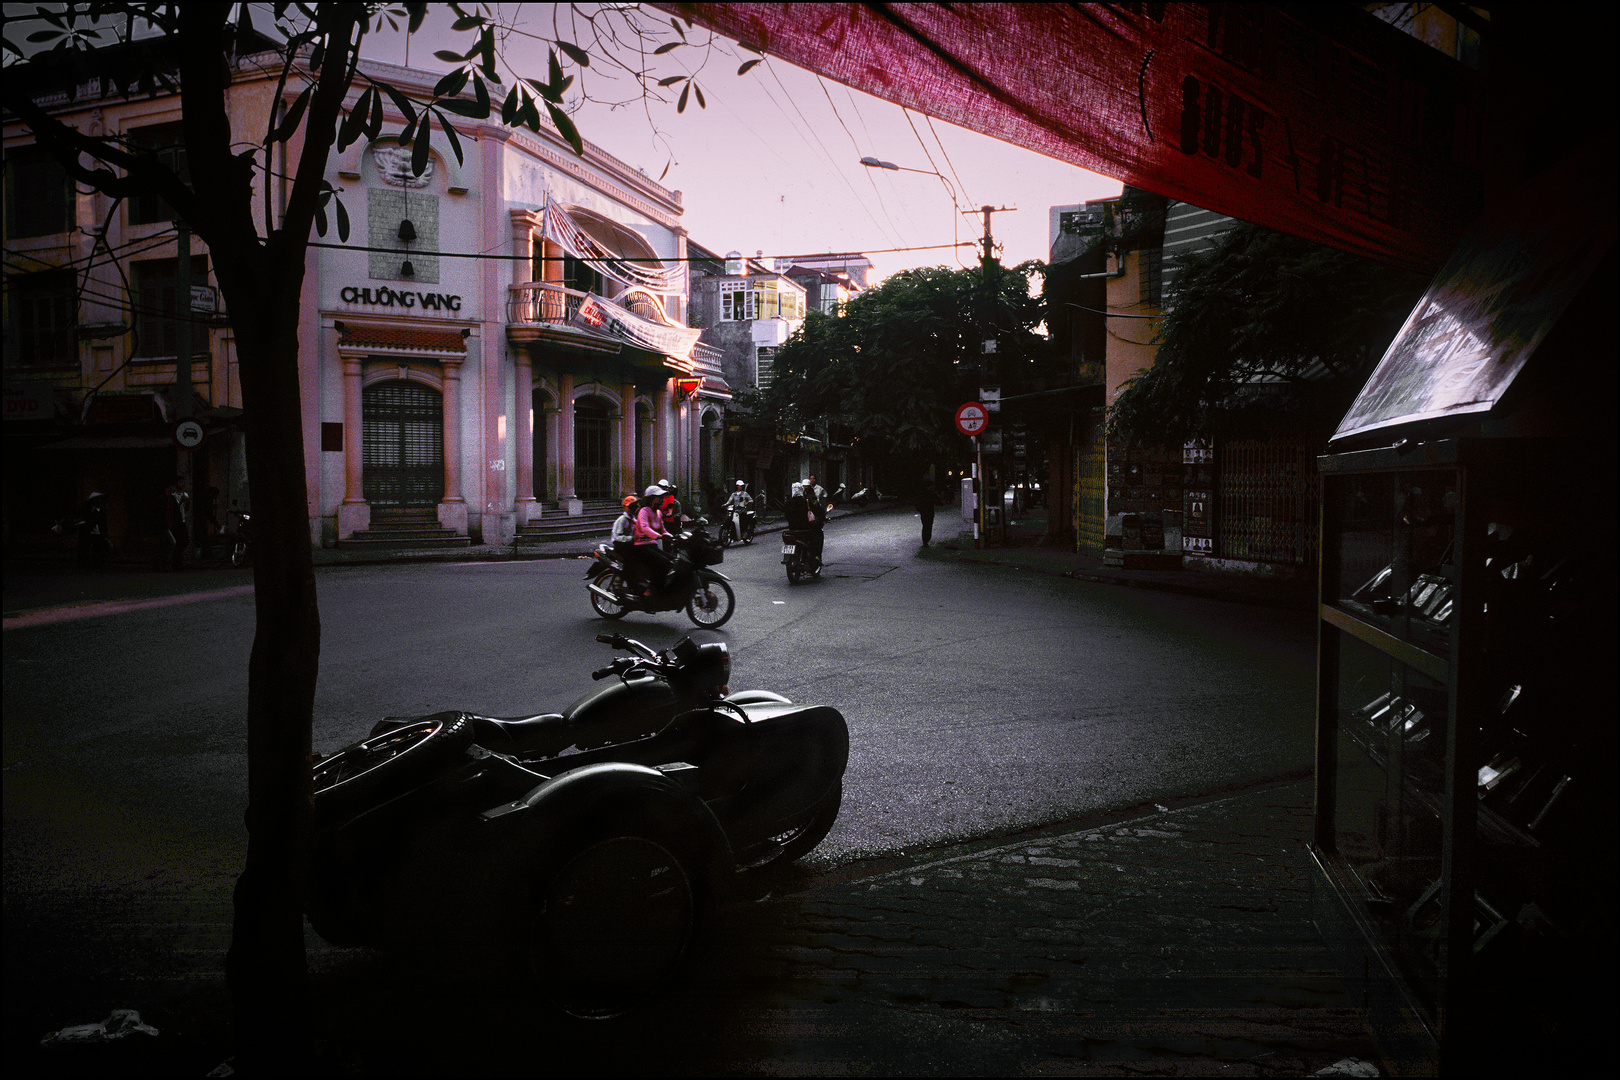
[[649, 527]]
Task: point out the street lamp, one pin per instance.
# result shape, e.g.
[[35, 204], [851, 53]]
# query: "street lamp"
[[950, 189]]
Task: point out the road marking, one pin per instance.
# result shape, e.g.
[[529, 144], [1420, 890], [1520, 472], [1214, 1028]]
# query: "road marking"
[[47, 616]]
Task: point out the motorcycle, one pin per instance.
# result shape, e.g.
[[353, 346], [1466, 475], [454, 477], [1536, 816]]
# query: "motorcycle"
[[242, 541], [738, 527], [705, 593], [588, 849], [799, 556]]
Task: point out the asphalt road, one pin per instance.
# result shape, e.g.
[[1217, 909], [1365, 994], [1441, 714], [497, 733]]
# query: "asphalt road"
[[981, 700]]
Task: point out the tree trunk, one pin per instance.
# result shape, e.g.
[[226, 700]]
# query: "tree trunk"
[[266, 966]]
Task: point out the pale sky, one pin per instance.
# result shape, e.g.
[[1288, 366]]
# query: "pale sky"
[[773, 162]]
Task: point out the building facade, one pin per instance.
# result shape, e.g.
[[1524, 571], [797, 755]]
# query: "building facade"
[[504, 337]]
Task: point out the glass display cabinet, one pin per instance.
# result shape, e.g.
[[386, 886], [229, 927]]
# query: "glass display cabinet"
[[1465, 747]]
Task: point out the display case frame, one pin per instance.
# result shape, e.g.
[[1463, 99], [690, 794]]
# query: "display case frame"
[[1418, 949]]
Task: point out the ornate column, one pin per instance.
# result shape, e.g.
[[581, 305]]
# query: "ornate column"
[[523, 432], [354, 515], [664, 446], [566, 496], [627, 439], [452, 508]]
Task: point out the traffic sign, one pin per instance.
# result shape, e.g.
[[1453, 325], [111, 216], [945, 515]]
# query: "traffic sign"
[[972, 418], [188, 434]]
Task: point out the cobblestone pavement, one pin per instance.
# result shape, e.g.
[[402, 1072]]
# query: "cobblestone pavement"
[[1176, 944]]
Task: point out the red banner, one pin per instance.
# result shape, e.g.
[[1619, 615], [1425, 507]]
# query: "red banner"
[[1315, 120]]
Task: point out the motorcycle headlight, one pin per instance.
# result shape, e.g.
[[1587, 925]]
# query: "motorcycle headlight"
[[708, 669]]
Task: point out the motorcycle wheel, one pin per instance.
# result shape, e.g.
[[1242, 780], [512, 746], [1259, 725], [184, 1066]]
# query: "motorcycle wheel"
[[711, 603], [239, 552], [793, 571], [357, 775], [799, 841], [614, 919], [725, 535], [748, 533], [613, 583]]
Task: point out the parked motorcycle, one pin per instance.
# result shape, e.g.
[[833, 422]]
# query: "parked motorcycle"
[[587, 848], [737, 527], [705, 593], [242, 540], [799, 556]]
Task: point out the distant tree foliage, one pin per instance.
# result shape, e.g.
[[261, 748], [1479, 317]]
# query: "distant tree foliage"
[[891, 368], [1265, 334]]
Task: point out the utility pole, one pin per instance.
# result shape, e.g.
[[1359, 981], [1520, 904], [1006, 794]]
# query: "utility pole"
[[987, 342]]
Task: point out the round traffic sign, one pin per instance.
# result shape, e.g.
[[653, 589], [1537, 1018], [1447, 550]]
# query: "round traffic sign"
[[972, 418], [188, 434]]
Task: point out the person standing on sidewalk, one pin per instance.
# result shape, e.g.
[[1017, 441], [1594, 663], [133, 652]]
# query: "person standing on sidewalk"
[[927, 499], [176, 519], [93, 543]]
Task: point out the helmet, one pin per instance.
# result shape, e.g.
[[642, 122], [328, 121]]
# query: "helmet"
[[653, 492], [629, 501], [741, 484], [798, 489], [666, 485]]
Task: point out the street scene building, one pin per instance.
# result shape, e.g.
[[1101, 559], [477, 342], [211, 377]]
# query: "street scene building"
[[505, 339]]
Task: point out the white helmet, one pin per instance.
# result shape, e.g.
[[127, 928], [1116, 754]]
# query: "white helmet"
[[666, 485], [741, 484], [798, 489], [653, 492]]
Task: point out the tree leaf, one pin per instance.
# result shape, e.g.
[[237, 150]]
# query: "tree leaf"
[[672, 80], [454, 139], [467, 22], [553, 68], [575, 53], [451, 85], [342, 219], [665, 173], [509, 107], [401, 102], [418, 13], [481, 94], [348, 131], [566, 128], [680, 106], [289, 124], [420, 147], [667, 46], [470, 109], [748, 65], [698, 90], [449, 57]]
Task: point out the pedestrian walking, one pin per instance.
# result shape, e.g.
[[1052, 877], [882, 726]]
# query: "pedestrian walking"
[[927, 499], [176, 524], [93, 543]]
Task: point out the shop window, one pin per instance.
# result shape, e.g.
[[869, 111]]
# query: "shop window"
[[41, 319], [156, 328], [166, 143], [39, 195]]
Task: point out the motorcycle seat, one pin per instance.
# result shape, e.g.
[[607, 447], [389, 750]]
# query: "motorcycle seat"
[[543, 735]]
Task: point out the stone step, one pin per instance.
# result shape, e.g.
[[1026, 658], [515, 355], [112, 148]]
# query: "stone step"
[[446, 539]]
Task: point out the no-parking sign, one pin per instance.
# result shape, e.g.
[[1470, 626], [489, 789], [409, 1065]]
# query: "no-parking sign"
[[972, 418]]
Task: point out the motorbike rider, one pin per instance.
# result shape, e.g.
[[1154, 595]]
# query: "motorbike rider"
[[801, 519], [647, 532], [738, 504], [672, 509]]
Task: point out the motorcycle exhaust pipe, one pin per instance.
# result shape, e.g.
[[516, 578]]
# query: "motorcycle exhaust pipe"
[[603, 593]]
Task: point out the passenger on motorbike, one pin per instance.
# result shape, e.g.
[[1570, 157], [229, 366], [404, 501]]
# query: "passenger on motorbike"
[[648, 531], [671, 508], [739, 507], [801, 519]]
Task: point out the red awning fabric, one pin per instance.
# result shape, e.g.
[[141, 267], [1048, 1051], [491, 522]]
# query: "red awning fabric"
[[399, 337], [1315, 120]]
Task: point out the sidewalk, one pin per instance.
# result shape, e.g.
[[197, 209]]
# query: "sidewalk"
[[1025, 549]]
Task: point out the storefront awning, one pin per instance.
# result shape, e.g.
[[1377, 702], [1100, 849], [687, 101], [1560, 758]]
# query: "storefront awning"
[[415, 339], [112, 442]]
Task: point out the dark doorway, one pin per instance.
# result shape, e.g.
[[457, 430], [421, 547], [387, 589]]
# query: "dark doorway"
[[402, 443], [593, 449]]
